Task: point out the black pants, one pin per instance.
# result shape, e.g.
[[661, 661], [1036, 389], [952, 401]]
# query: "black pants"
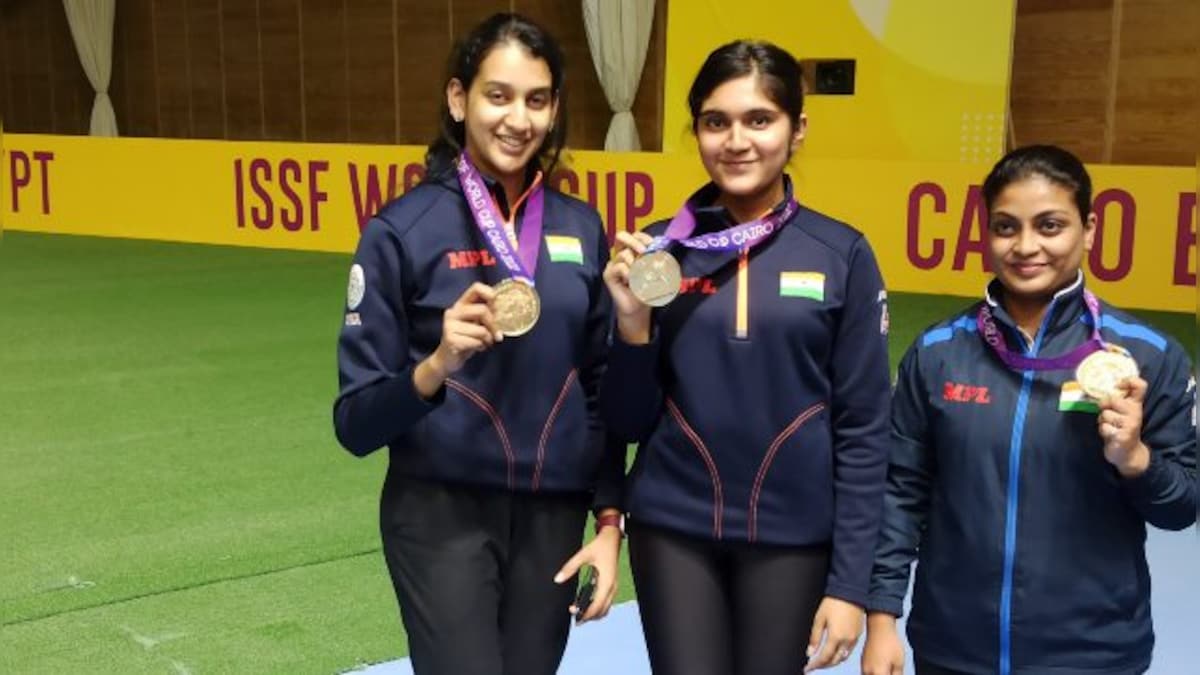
[[474, 572], [711, 608]]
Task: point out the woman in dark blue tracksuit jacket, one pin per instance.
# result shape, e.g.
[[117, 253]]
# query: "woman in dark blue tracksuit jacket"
[[496, 447], [758, 397], [1024, 501]]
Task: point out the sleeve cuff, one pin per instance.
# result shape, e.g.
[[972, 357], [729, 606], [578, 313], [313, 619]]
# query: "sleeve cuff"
[[1153, 481], [886, 604], [408, 398], [631, 353], [843, 592], [610, 479]]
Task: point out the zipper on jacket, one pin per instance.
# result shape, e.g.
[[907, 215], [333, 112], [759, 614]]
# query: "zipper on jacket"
[[741, 329], [1010, 517], [510, 223]]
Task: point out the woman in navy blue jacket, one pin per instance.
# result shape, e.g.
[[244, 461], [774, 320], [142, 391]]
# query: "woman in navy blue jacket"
[[758, 396], [1034, 436], [474, 339]]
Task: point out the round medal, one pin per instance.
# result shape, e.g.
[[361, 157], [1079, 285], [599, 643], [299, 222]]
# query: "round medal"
[[654, 278], [1100, 373], [516, 307]]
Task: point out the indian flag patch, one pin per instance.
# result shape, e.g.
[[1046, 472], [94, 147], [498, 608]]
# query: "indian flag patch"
[[1074, 400], [809, 285], [564, 249]]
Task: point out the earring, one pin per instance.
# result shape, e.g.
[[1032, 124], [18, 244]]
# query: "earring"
[[457, 117]]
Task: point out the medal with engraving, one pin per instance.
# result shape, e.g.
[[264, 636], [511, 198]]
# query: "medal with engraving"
[[655, 278], [516, 307], [1101, 373]]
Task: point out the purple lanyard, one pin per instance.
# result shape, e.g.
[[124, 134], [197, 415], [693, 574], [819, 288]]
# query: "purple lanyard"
[[742, 235], [523, 263], [991, 334]]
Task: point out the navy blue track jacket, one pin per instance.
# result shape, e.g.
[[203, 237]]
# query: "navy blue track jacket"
[[522, 415], [1030, 546], [764, 419]]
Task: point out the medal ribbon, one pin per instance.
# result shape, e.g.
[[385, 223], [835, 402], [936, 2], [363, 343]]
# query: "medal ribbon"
[[742, 235], [520, 265], [986, 324]]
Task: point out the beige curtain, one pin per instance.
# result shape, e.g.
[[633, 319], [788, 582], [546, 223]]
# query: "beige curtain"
[[618, 33], [91, 24]]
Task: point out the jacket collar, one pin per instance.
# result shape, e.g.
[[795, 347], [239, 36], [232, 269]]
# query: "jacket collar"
[[1063, 311], [448, 178], [711, 216]]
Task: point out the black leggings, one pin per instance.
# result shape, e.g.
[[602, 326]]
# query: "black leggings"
[[713, 608]]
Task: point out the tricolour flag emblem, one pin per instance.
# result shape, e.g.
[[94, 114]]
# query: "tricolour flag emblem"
[[564, 249], [809, 285], [1074, 400]]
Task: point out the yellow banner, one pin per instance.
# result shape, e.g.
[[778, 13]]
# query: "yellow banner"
[[923, 219], [930, 78]]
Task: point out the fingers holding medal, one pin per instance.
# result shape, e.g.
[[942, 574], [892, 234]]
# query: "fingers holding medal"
[[484, 315], [468, 326], [622, 277], [1111, 377]]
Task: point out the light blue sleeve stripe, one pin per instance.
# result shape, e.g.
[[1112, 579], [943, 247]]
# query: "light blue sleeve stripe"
[[944, 333], [1130, 330]]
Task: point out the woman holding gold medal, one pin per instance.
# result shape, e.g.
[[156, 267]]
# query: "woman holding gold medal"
[[758, 395], [1034, 438], [475, 337]]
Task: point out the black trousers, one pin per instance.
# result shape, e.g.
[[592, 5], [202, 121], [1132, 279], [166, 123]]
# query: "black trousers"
[[473, 571], [712, 608]]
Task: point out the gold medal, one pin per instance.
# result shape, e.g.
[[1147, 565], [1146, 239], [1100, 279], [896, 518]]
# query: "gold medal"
[[516, 307], [1100, 373], [654, 278]]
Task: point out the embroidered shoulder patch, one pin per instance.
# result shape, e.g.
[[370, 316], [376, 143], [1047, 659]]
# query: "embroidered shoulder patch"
[[357, 287]]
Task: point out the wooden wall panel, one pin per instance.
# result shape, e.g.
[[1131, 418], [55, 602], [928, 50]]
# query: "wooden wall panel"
[[1059, 85], [648, 104], [33, 37], [1157, 108], [1036, 6], [465, 14], [325, 70], [204, 66], [366, 71], [422, 46], [279, 23], [20, 110], [587, 108], [172, 74], [242, 69], [117, 86], [5, 79], [371, 89], [138, 68]]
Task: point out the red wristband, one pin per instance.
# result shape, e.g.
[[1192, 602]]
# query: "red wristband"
[[610, 519]]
